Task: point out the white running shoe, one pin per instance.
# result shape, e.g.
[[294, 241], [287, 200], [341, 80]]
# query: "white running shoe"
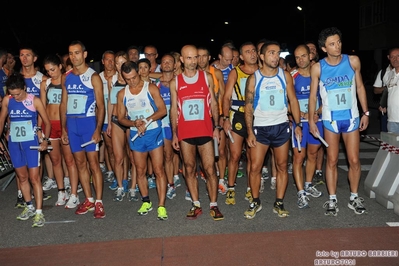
[[62, 198], [49, 184], [73, 202]]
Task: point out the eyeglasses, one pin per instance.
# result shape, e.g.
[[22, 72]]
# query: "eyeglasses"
[[151, 55]]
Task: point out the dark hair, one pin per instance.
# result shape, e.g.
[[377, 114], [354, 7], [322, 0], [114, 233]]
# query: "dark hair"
[[244, 44], [27, 47], [144, 60], [290, 60], [80, 43], [266, 44], [16, 81], [133, 47], [54, 60], [327, 32], [107, 52], [204, 48], [169, 54], [128, 66]]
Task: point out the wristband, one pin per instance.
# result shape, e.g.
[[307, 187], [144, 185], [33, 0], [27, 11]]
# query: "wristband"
[[367, 113], [225, 118]]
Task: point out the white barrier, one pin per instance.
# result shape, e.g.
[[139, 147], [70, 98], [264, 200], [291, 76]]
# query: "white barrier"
[[383, 178]]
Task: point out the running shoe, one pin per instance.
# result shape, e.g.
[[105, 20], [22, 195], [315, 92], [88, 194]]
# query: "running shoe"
[[99, 212], [318, 178], [103, 167], [240, 174], [38, 220], [230, 197], [188, 196], [49, 183], [273, 183], [125, 185], [222, 188], [162, 214], [248, 196], [265, 173], [332, 207], [176, 181], [151, 183], [132, 195], [290, 168], [67, 184], [20, 202], [73, 202], [109, 177], [85, 207], [216, 214], [253, 209], [80, 189], [303, 201], [119, 194], [114, 185], [146, 207], [312, 191], [62, 198], [45, 196], [262, 185], [279, 209], [26, 214], [357, 205], [194, 212], [171, 193]]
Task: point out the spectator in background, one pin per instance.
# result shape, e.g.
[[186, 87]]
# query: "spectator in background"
[[380, 85], [393, 92]]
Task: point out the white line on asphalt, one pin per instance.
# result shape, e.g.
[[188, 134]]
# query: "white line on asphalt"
[[393, 224], [60, 222]]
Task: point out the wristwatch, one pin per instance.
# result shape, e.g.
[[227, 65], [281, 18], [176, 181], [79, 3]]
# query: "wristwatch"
[[299, 125], [367, 113]]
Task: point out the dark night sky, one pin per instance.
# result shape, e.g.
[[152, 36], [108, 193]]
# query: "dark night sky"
[[50, 29]]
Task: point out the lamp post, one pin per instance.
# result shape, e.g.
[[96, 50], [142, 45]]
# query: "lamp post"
[[304, 22]]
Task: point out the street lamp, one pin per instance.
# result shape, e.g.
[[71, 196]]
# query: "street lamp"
[[304, 22]]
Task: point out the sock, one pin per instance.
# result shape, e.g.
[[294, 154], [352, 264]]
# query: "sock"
[[30, 205], [146, 199], [197, 203], [319, 171], [213, 204], [98, 200], [307, 184], [61, 189], [248, 189], [171, 185], [353, 196], [19, 194], [231, 188], [90, 199], [257, 200], [176, 176], [300, 192], [333, 197], [39, 211], [221, 181]]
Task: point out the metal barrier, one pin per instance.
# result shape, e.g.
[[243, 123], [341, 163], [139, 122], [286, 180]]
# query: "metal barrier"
[[7, 172]]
